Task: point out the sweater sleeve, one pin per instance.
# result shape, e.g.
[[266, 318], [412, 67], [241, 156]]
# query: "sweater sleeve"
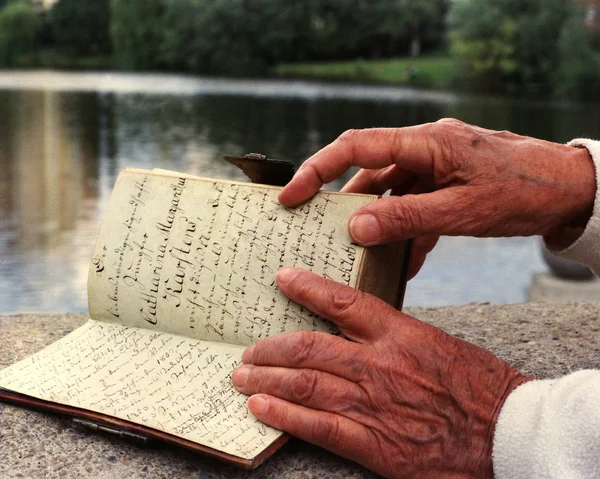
[[586, 249], [550, 429]]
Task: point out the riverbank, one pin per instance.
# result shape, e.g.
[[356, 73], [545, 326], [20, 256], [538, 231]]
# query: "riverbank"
[[435, 72], [181, 84], [429, 71], [60, 60], [542, 340]]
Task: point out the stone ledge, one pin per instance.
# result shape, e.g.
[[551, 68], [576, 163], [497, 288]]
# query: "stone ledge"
[[549, 288], [543, 340]]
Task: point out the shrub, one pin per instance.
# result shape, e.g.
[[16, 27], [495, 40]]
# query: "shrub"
[[19, 24]]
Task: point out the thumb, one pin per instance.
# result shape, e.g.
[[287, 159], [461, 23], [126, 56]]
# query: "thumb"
[[409, 216]]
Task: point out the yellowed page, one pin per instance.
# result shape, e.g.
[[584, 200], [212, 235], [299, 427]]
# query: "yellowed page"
[[198, 257], [175, 384]]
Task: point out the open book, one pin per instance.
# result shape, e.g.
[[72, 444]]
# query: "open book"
[[181, 281]]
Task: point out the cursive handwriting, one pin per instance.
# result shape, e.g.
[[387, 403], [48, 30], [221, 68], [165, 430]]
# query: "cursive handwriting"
[[199, 257], [178, 385]]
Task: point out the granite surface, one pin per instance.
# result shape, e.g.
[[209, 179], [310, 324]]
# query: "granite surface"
[[543, 340], [549, 288]]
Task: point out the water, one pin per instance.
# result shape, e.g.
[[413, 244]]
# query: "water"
[[64, 138]]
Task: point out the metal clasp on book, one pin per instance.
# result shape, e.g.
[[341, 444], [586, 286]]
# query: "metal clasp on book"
[[255, 156], [94, 426]]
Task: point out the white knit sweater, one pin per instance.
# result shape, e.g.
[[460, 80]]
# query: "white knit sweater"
[[550, 429]]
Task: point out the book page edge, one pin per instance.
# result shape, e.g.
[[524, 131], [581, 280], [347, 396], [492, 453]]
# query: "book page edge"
[[174, 174], [32, 402]]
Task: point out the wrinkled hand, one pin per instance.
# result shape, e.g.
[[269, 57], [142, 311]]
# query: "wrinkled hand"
[[402, 397], [455, 179]]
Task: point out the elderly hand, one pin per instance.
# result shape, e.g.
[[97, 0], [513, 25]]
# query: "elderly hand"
[[456, 179], [400, 397]]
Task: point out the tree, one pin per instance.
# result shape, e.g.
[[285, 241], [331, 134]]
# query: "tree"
[[539, 24], [510, 45], [375, 28], [578, 75], [81, 27], [418, 17], [483, 42], [337, 27], [209, 37], [136, 33], [245, 37], [18, 27], [283, 30], [239, 37]]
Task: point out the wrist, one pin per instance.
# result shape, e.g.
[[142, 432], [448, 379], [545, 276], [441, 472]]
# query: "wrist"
[[582, 186], [517, 379]]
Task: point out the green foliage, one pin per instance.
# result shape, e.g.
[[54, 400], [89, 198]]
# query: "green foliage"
[[136, 33], [483, 41], [578, 75], [60, 59], [524, 47], [283, 30], [338, 26], [18, 27], [418, 18], [249, 36], [81, 26], [539, 27], [233, 36], [229, 38], [425, 71], [374, 28]]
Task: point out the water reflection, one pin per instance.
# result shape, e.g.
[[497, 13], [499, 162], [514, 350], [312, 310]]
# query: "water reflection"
[[60, 152], [47, 204]]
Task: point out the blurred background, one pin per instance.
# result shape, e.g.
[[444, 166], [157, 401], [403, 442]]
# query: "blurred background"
[[88, 87]]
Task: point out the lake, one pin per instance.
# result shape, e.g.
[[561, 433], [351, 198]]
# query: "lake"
[[65, 136]]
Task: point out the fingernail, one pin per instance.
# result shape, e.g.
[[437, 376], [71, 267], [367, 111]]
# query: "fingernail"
[[287, 275], [247, 355], [240, 376], [258, 405], [365, 229]]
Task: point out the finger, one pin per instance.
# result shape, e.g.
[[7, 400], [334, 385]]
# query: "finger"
[[307, 387], [335, 433], [422, 246], [309, 350], [360, 316], [377, 182], [441, 212], [416, 263], [412, 148], [415, 187]]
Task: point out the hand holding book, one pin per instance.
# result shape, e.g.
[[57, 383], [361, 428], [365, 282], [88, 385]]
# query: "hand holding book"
[[416, 402], [455, 179], [402, 398]]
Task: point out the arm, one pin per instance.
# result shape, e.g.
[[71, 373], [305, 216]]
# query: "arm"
[[551, 428]]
